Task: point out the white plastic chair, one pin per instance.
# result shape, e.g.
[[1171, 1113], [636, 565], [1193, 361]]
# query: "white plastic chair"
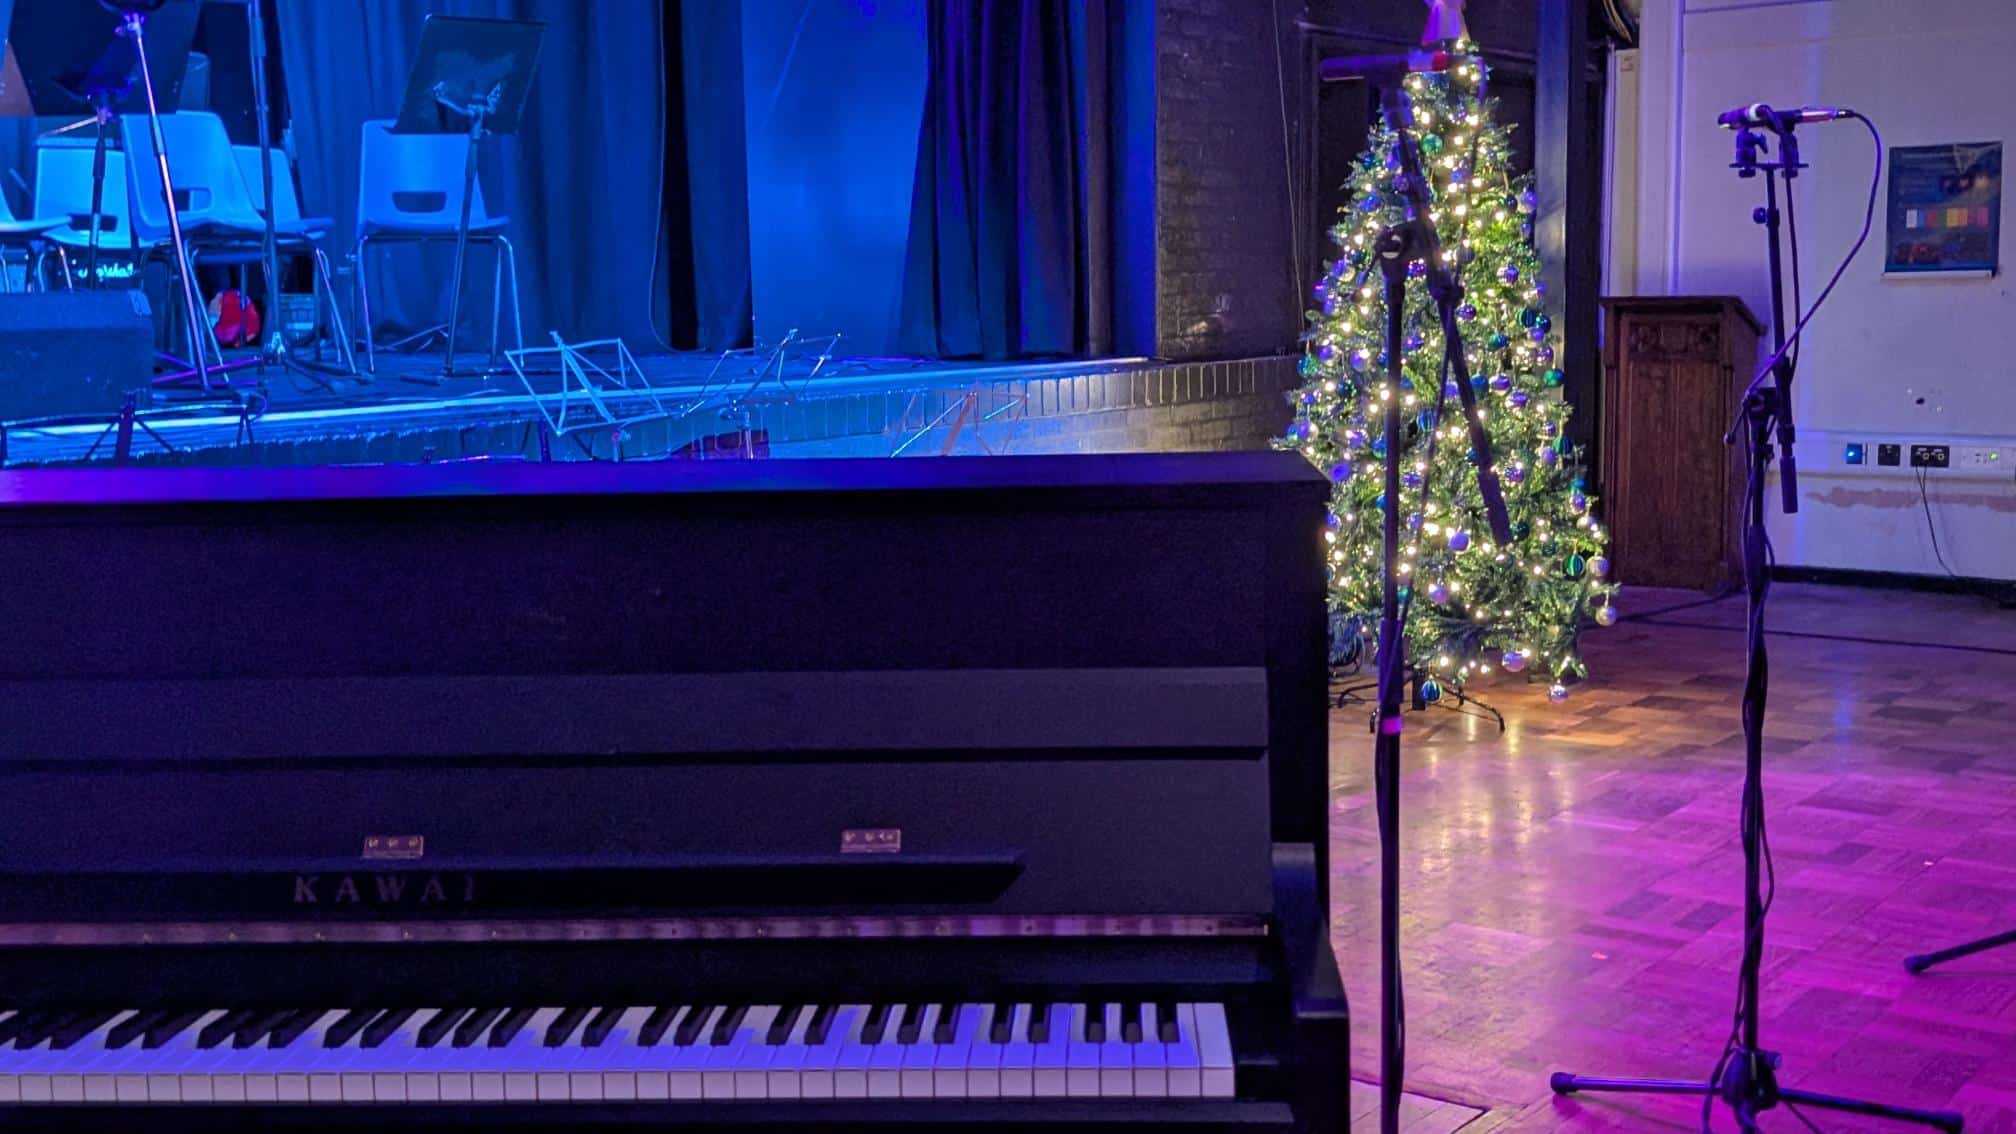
[[410, 191], [63, 189], [31, 239]]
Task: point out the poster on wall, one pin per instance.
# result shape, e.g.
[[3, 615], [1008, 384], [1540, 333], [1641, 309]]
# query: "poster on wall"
[[1945, 209]]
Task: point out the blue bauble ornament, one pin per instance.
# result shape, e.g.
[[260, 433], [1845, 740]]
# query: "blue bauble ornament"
[[1515, 475], [1329, 305], [1520, 398], [1321, 289], [1414, 340], [1425, 420], [1384, 358], [1477, 382], [1333, 520], [1414, 522], [1459, 540], [1599, 566], [1510, 274], [1341, 472], [1360, 360], [1417, 269], [1355, 439], [1548, 457], [1543, 323], [1467, 312], [1431, 144], [1380, 502], [1309, 399], [1557, 693], [1378, 446], [1500, 341], [1513, 661], [1528, 201], [1438, 593], [1578, 502], [1550, 429], [1411, 480], [1327, 352], [1529, 317], [1553, 376], [1300, 431], [1501, 382], [1451, 390], [1369, 202], [1546, 355], [1431, 689], [1538, 334], [1576, 564]]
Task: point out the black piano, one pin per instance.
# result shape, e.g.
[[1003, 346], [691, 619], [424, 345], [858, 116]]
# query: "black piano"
[[964, 793]]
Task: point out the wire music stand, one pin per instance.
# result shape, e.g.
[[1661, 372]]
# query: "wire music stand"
[[600, 386]]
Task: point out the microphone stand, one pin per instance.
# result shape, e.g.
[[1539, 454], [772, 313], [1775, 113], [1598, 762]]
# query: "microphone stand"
[[255, 26], [1413, 238], [1747, 1076]]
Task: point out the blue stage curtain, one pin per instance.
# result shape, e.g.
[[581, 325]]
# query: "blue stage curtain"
[[580, 181], [998, 260]]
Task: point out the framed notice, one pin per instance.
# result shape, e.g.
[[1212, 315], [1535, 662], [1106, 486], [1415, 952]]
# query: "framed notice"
[[1945, 209]]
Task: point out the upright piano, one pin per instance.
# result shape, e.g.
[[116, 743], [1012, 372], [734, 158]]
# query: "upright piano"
[[968, 793]]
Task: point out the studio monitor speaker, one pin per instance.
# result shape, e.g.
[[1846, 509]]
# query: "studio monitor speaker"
[[73, 353]]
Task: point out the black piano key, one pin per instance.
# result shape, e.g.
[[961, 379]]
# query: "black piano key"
[[78, 1026], [440, 1026], [36, 1026], [1002, 1029], [821, 1024], [349, 1024], [911, 1025], [1166, 1029], [224, 1027], [1039, 1023], [780, 1028], [731, 1019], [564, 1025], [171, 1027], [1130, 1023], [133, 1027], [600, 1025], [947, 1028], [388, 1022], [258, 1028], [510, 1025], [292, 1028], [472, 1029], [655, 1025], [11, 1027], [691, 1025], [877, 1021], [1095, 1023]]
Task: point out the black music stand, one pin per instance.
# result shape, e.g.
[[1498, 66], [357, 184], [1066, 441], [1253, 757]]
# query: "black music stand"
[[469, 76], [73, 58]]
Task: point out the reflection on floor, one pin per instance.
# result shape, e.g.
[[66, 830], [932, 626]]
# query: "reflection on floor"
[[1573, 888]]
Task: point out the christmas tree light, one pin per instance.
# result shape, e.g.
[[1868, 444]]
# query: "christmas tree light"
[[1526, 602]]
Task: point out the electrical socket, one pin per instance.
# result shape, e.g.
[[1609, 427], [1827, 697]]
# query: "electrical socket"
[[1931, 456], [1889, 454], [1987, 457]]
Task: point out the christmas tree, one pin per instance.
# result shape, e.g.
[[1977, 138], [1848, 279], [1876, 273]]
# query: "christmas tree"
[[1472, 601]]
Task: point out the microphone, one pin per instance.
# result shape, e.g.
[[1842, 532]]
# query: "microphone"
[[1761, 114], [1381, 67]]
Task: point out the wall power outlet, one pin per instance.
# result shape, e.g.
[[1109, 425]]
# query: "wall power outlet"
[[1981, 457]]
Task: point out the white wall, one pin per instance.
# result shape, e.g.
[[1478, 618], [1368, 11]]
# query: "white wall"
[[1886, 360]]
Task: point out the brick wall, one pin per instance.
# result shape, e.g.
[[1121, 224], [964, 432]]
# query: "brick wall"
[[1225, 281]]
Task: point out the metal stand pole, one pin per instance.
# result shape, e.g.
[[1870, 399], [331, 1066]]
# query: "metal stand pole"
[[477, 114], [135, 27], [255, 26]]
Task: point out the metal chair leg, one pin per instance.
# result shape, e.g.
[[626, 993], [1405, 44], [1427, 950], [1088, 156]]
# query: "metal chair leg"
[[496, 304], [517, 302], [63, 258], [326, 285], [364, 303]]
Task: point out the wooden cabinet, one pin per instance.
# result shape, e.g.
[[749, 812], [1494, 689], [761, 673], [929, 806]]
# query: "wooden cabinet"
[[1674, 372]]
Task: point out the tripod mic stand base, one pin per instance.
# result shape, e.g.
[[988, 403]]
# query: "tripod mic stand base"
[[1919, 962], [1750, 1094]]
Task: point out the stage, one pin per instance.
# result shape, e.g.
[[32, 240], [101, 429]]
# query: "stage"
[[701, 405]]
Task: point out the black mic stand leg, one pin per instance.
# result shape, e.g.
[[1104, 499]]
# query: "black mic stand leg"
[[1919, 962]]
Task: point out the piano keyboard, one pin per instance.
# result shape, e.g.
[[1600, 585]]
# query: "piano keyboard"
[[671, 1052]]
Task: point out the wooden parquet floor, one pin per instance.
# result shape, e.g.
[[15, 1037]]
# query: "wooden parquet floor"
[[1572, 890]]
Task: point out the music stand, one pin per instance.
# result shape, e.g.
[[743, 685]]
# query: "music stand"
[[72, 57], [470, 76]]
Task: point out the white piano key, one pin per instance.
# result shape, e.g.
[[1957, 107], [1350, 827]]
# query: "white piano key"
[[1214, 1051], [1052, 1061], [885, 1059], [786, 1071], [301, 1057], [165, 1080], [96, 1065], [1081, 1076], [753, 1052], [1116, 1058], [378, 1074], [1018, 1059], [983, 1057], [620, 1058], [818, 1079], [654, 1064], [951, 1067], [1151, 1062], [1186, 1078], [689, 1062], [850, 1066], [529, 1067], [915, 1078]]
